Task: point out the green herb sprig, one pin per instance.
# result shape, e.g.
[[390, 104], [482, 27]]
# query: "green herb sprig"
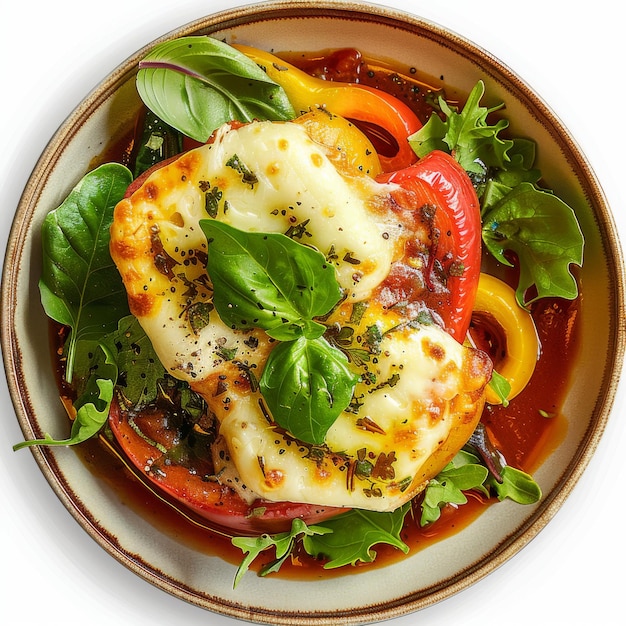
[[347, 539]]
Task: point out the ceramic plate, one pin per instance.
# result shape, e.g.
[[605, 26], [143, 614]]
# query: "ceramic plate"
[[441, 569]]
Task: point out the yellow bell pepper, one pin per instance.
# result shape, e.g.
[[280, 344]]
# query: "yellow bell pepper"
[[377, 113], [349, 148], [496, 302]]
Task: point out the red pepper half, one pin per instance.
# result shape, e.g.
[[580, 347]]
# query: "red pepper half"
[[189, 483], [437, 181]]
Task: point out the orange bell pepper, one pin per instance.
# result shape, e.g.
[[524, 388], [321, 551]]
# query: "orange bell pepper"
[[387, 121]]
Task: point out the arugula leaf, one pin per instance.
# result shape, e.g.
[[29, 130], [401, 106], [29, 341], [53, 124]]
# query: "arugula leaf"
[[92, 408], [517, 486], [466, 135], [354, 534], [307, 383], [80, 286], [283, 544], [198, 83], [544, 234], [517, 215], [136, 358], [463, 473]]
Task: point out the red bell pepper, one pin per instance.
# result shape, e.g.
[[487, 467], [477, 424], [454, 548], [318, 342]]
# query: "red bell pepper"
[[437, 180], [186, 486]]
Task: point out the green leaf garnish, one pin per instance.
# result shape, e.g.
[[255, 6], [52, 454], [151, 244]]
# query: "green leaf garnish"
[[268, 281], [138, 361], [92, 408], [544, 234], [467, 135], [158, 141], [517, 486], [197, 83], [463, 473], [282, 543], [80, 286], [354, 534], [271, 282], [501, 386], [517, 215], [343, 540], [307, 383]]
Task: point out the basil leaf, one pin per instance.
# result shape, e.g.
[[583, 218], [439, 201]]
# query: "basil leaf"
[[307, 383], [544, 234], [354, 534], [198, 83], [80, 286], [268, 281]]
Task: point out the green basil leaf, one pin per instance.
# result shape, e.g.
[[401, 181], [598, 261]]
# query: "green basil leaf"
[[268, 281], [544, 234], [354, 534], [306, 384], [80, 286], [198, 83]]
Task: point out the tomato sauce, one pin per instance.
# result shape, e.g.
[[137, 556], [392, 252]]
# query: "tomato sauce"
[[526, 431]]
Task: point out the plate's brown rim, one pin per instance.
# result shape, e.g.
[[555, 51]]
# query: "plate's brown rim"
[[594, 195]]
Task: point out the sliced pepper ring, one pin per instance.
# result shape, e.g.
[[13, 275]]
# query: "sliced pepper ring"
[[371, 109], [516, 358]]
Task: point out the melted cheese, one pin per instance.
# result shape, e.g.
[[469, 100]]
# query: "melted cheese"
[[376, 455], [416, 390]]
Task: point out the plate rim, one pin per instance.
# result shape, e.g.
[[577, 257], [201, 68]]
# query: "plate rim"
[[269, 10]]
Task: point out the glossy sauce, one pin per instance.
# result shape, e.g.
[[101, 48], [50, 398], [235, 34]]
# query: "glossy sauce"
[[526, 432]]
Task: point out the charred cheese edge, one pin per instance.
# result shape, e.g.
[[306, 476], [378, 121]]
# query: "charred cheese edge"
[[417, 390]]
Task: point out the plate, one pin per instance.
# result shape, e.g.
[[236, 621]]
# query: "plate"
[[429, 575]]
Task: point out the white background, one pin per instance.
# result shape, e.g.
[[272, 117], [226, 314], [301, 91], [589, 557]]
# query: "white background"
[[53, 53]]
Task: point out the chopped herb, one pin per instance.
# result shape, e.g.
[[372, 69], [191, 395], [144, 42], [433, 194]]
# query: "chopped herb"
[[247, 176]]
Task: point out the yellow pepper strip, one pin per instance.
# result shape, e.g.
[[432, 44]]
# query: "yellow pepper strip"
[[517, 356], [369, 107], [349, 148]]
